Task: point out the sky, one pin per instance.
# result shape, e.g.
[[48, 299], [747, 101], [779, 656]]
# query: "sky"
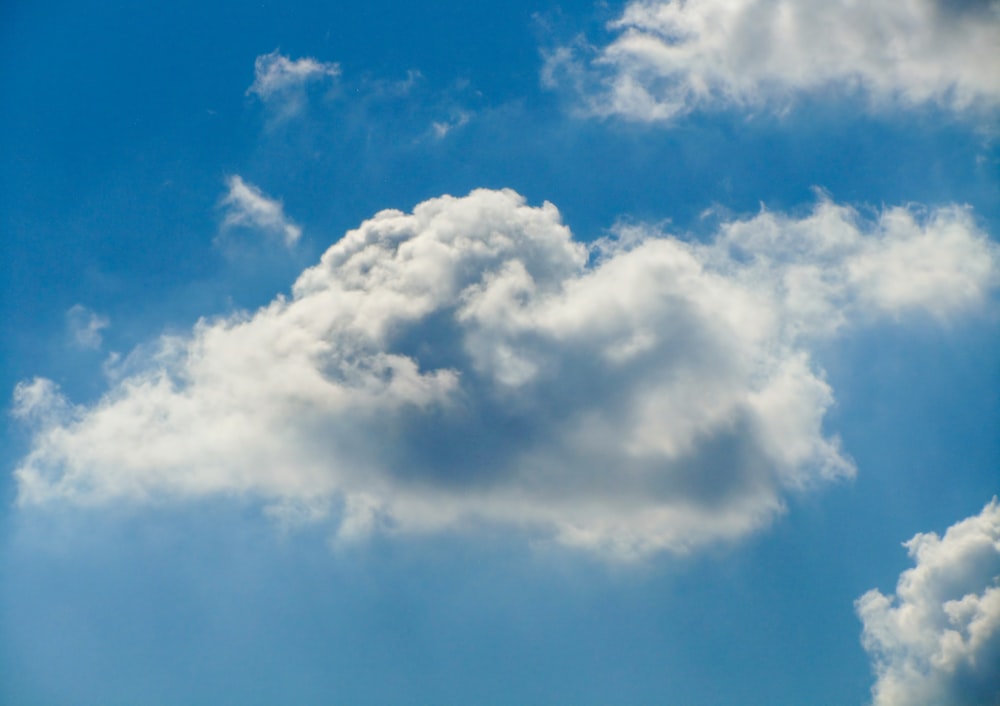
[[636, 352]]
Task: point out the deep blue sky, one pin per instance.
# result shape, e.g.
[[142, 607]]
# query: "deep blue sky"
[[119, 124]]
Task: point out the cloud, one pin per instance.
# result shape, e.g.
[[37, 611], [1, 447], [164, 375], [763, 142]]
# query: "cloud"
[[670, 57], [441, 128], [246, 206], [471, 364], [394, 112], [280, 80], [937, 640], [85, 326]]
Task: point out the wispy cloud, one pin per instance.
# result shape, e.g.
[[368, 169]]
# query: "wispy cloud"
[[470, 362], [397, 112], [937, 640], [443, 127], [671, 57], [246, 206], [282, 81], [85, 327]]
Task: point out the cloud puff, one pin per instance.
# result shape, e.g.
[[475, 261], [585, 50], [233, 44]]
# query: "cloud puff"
[[85, 326], [281, 81], [937, 640], [246, 206], [470, 363], [671, 57]]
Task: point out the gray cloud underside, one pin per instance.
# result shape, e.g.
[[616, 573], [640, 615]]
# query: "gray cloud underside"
[[937, 640], [670, 57], [471, 363]]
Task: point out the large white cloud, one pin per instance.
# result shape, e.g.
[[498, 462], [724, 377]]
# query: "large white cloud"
[[669, 57], [471, 363], [937, 640]]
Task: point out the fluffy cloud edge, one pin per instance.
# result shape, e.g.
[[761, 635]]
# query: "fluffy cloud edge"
[[937, 639], [84, 326], [668, 58]]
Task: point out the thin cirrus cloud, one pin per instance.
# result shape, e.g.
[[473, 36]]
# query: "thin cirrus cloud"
[[85, 326], [367, 104], [281, 82], [441, 128], [247, 207], [471, 364], [937, 639], [670, 57]]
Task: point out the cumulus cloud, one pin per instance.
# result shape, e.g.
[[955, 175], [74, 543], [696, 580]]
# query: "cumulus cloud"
[[85, 327], [470, 363], [247, 206], [937, 640], [280, 80], [669, 57]]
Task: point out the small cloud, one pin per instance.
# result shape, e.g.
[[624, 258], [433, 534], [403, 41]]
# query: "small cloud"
[[442, 128], [377, 88], [85, 327], [281, 82], [248, 207]]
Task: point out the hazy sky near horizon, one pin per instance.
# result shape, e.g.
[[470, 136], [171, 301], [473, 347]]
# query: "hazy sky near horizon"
[[523, 353]]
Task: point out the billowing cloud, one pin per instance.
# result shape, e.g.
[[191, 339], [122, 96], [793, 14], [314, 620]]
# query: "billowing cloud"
[[937, 640], [85, 326], [470, 363], [281, 81], [670, 57], [246, 206]]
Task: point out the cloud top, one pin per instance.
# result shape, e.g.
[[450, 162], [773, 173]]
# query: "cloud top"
[[470, 363], [937, 640], [670, 57]]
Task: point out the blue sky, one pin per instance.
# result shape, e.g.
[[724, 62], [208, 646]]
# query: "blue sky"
[[683, 319]]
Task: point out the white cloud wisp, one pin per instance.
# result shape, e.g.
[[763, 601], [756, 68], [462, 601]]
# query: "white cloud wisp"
[[281, 82], [471, 363], [670, 57], [85, 327], [275, 73], [247, 206], [937, 640]]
